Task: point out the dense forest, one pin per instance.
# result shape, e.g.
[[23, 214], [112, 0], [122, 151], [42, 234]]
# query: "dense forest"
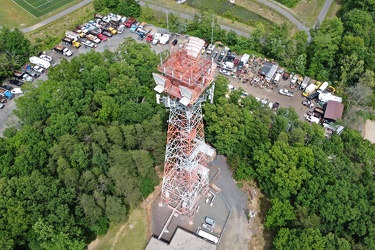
[[91, 136], [322, 190]]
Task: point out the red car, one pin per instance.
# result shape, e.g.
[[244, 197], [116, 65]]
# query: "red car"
[[102, 37]]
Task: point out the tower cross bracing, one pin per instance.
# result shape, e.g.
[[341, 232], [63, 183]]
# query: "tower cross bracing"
[[182, 84]]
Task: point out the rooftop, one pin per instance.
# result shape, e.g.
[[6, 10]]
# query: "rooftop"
[[182, 240], [334, 110], [185, 74]]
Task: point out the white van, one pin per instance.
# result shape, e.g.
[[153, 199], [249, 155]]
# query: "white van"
[[40, 62]]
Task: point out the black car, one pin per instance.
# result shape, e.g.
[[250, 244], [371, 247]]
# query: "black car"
[[240, 65], [16, 82], [94, 32], [7, 87], [175, 41], [313, 96], [220, 58], [33, 73], [215, 54], [107, 33]]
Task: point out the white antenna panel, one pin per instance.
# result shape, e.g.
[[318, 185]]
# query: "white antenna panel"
[[168, 102]]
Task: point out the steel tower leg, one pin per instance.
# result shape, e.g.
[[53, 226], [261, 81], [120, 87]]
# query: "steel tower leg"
[[186, 176]]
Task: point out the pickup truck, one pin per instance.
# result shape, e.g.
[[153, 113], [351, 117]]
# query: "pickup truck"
[[164, 39], [71, 41], [93, 38], [129, 22], [6, 93], [71, 34], [62, 50], [156, 38], [286, 92], [210, 48], [134, 27]]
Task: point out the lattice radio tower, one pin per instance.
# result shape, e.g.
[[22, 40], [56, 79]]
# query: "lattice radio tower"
[[182, 86]]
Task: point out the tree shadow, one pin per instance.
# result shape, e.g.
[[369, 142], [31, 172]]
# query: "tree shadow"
[[268, 234]]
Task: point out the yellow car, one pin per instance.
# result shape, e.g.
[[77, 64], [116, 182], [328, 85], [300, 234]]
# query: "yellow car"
[[76, 44], [112, 30]]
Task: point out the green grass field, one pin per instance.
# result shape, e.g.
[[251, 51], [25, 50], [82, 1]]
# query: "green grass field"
[[230, 11], [39, 8]]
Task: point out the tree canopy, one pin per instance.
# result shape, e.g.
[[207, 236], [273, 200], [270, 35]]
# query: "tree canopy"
[[15, 50], [91, 136], [321, 190]]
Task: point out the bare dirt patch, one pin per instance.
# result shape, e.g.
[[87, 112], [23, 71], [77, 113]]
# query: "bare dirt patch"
[[369, 131], [257, 205]]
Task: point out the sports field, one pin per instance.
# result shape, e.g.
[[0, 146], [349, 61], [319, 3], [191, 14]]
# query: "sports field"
[[40, 8]]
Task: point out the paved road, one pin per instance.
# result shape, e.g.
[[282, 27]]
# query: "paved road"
[[268, 3], [285, 13], [323, 12]]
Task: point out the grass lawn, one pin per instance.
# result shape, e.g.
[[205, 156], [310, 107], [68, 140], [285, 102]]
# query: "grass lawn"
[[13, 15], [55, 31], [184, 8], [308, 11], [131, 235], [335, 6], [230, 11]]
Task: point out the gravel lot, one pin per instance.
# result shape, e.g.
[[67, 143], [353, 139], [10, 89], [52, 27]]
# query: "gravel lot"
[[274, 96]]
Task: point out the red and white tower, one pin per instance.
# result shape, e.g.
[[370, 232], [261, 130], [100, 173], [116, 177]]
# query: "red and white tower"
[[183, 86]]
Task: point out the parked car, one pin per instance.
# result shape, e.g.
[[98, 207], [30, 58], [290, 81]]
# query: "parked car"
[[294, 79], [16, 82], [286, 92], [313, 96], [240, 65], [107, 33], [27, 77], [7, 87], [2, 106], [102, 37], [46, 58], [225, 72], [89, 44], [33, 73], [3, 99], [286, 76], [38, 69], [214, 55], [175, 41]]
